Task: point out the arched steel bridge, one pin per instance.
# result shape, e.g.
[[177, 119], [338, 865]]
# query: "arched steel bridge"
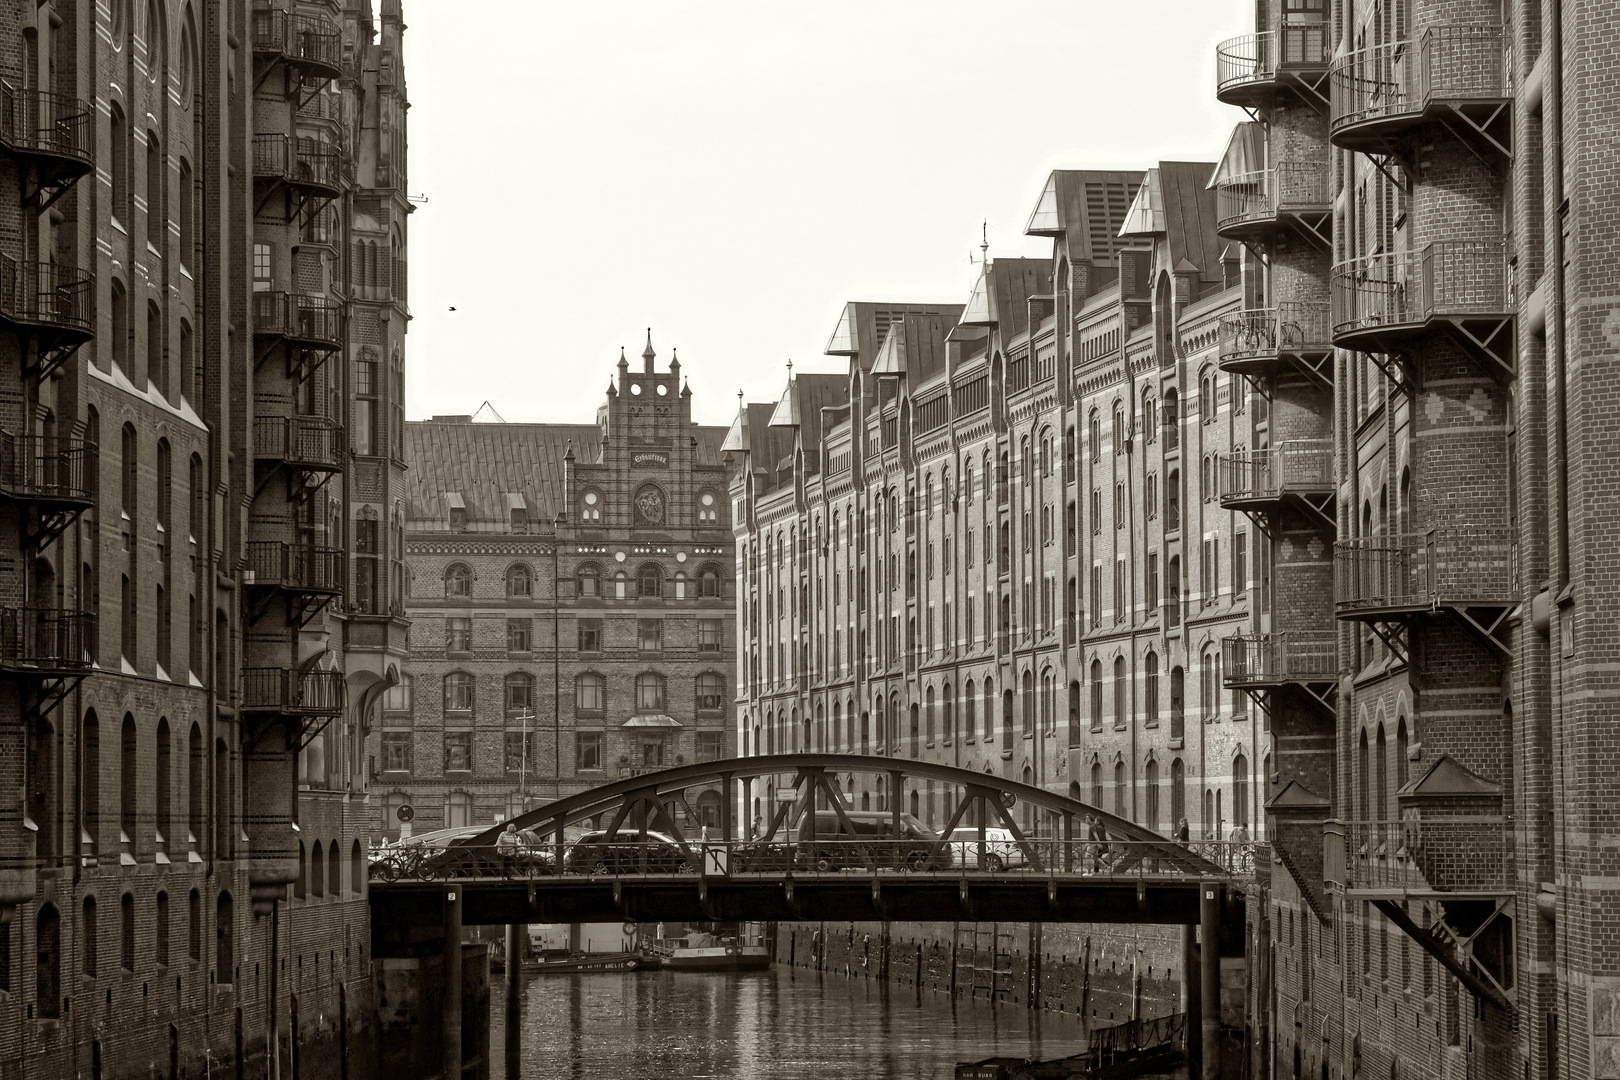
[[837, 863]]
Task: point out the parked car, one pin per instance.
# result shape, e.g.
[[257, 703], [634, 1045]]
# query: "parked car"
[[867, 838], [628, 853], [438, 855], [1001, 850]]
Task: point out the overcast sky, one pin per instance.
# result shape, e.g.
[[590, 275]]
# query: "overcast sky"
[[730, 173]]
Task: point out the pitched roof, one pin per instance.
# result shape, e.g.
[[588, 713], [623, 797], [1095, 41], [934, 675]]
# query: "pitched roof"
[[485, 464]]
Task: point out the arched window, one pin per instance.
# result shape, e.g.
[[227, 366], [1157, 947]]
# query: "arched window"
[[1178, 793], [590, 693], [519, 581], [224, 938], [520, 692], [128, 780], [711, 693], [1240, 791], [301, 882], [1029, 703], [164, 781], [1172, 501], [1171, 420], [947, 713], [1206, 683], [1150, 688], [708, 508], [1121, 434], [1178, 704], [1120, 785], [989, 708], [650, 580], [48, 969], [317, 872], [1096, 695], [458, 692], [1150, 785], [334, 870], [357, 869], [1097, 784], [969, 711], [1094, 434], [590, 508], [620, 586], [589, 580], [1381, 770], [1122, 688], [1206, 397], [680, 585], [649, 691], [457, 580], [1150, 417]]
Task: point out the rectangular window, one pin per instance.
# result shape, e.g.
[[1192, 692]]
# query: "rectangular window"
[[1119, 590], [261, 267], [1119, 505], [458, 751], [458, 634], [590, 635], [396, 751], [1096, 594], [1152, 597], [587, 751], [709, 635], [519, 635], [1240, 563], [365, 565], [650, 635], [516, 758], [711, 745]]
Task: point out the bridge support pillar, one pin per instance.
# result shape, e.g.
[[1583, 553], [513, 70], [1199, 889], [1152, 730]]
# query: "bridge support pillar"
[[1191, 1001], [514, 1000], [452, 985], [1209, 977]]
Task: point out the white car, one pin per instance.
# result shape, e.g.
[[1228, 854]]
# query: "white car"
[[1000, 849]]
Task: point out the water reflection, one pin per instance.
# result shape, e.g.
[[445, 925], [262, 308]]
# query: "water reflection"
[[782, 1024]]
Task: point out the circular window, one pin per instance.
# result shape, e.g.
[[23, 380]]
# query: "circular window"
[[635, 388], [618, 556], [662, 389], [708, 498], [590, 498]]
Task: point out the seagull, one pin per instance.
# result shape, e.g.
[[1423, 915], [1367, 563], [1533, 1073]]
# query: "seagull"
[[452, 307]]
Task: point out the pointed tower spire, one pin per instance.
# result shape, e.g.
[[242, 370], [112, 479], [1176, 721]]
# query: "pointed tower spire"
[[647, 354], [675, 365]]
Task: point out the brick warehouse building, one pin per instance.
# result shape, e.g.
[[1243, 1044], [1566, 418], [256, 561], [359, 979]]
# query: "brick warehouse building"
[[202, 293], [609, 540], [995, 543], [1429, 185]]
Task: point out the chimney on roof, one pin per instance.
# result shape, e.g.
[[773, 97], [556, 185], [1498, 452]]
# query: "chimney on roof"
[[647, 354]]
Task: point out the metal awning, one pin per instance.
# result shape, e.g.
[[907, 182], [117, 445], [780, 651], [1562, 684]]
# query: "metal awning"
[[652, 720], [1245, 153]]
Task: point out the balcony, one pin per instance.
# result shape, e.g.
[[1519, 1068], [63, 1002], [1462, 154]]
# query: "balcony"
[[310, 45], [309, 443], [1253, 207], [295, 568], [1453, 79], [307, 328], [46, 641], [289, 692], [50, 304], [1293, 336], [1423, 854], [1296, 473], [55, 471], [1456, 567], [305, 171], [52, 133], [1251, 70], [1381, 302], [1302, 658]]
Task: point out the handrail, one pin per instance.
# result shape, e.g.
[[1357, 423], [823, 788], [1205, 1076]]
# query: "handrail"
[[277, 689], [1288, 656], [305, 439], [1408, 288], [37, 466], [1259, 58], [295, 566], [47, 294], [1394, 79], [1264, 193], [303, 318], [42, 122], [1291, 325], [1304, 465], [297, 161], [1422, 852], [1458, 564], [51, 639]]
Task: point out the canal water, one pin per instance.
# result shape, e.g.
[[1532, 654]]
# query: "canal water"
[[781, 1024]]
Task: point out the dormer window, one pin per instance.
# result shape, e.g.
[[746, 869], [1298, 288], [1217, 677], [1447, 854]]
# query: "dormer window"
[[458, 511], [517, 512]]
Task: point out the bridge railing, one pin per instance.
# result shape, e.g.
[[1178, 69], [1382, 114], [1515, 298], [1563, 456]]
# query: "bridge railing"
[[625, 856]]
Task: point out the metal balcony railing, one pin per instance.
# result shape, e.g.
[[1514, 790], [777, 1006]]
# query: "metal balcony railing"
[[303, 161], [47, 294], [38, 122], [1459, 565], [1296, 466], [1376, 294], [1292, 656], [285, 690], [1261, 196], [1422, 853], [294, 566], [38, 468], [1264, 333], [1252, 60], [45, 639], [304, 318], [305, 40], [311, 441], [1397, 82]]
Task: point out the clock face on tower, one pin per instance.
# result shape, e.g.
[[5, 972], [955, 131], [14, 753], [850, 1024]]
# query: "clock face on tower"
[[650, 506]]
